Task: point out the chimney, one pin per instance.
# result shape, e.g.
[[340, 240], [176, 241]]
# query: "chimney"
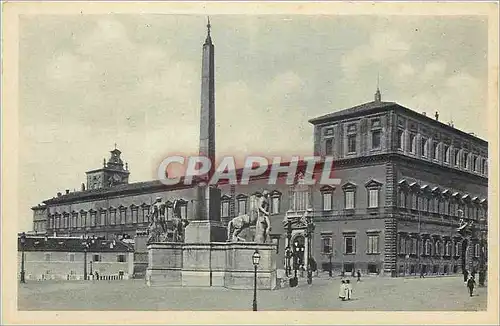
[[436, 115], [59, 194], [67, 191]]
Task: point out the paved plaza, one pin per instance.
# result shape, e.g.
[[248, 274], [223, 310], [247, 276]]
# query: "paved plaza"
[[373, 293]]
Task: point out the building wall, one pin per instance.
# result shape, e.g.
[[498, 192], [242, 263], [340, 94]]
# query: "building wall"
[[59, 266]]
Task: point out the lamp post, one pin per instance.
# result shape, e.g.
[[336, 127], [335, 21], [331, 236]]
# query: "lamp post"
[[288, 256], [255, 260], [330, 254], [482, 253], [289, 244], [23, 242], [309, 233], [86, 245]]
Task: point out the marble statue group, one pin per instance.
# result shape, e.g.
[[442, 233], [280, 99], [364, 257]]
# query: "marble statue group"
[[164, 228], [258, 216]]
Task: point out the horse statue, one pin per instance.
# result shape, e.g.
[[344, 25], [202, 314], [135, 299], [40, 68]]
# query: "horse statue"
[[254, 217], [178, 223], [240, 223]]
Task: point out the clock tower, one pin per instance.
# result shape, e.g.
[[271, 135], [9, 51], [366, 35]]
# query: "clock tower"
[[113, 173]]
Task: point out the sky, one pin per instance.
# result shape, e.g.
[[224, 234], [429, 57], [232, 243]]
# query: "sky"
[[87, 82]]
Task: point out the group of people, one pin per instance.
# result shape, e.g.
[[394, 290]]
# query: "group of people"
[[345, 291]]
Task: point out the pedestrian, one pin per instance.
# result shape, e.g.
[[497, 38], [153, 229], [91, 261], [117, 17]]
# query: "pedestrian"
[[96, 275], [342, 290], [466, 276], [359, 275], [470, 284], [422, 273], [348, 286], [353, 273]]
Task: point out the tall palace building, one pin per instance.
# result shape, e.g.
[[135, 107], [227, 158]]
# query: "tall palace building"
[[406, 180]]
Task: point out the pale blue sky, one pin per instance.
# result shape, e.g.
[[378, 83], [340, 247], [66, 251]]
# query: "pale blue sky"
[[88, 81]]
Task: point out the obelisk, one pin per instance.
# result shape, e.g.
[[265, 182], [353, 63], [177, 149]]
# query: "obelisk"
[[205, 224]]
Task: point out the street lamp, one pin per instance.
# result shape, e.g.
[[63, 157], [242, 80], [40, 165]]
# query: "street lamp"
[[288, 256], [482, 253], [309, 233], [87, 241], [407, 257], [330, 254], [23, 242], [255, 260]]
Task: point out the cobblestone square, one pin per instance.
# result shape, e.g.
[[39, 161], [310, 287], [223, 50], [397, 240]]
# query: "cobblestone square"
[[372, 294]]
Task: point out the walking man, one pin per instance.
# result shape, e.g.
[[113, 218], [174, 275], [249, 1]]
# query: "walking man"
[[470, 284], [359, 275]]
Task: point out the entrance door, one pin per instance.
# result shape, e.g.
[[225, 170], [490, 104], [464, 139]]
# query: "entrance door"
[[298, 247]]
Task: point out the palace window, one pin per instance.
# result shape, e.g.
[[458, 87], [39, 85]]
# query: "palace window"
[[74, 220], [457, 157], [401, 139], [413, 143], [414, 246], [93, 218], [475, 165], [485, 167], [123, 215], [424, 147], [376, 135], [437, 246], [373, 198], [71, 257], [326, 243], [402, 244], [102, 219], [327, 201], [373, 244], [349, 195], [83, 219], [96, 257], [402, 199], [465, 160], [135, 214], [121, 258], [47, 256], [225, 208], [435, 150], [351, 144], [275, 202], [446, 153], [349, 244], [428, 247], [329, 146], [242, 204], [447, 252], [476, 250], [327, 197], [349, 199], [414, 201]]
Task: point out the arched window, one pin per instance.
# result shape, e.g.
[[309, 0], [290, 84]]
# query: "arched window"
[[436, 150], [413, 143]]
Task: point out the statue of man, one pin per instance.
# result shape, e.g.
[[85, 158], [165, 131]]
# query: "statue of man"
[[159, 213], [263, 225]]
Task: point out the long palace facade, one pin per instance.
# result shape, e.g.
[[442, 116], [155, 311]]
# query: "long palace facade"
[[406, 181]]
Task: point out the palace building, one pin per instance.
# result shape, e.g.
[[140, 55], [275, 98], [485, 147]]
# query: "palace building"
[[406, 180]]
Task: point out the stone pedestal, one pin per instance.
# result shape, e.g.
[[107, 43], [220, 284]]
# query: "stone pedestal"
[[164, 263], [205, 232], [217, 264]]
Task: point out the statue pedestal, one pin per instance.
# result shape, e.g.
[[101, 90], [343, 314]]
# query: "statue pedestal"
[[217, 264], [204, 231]]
